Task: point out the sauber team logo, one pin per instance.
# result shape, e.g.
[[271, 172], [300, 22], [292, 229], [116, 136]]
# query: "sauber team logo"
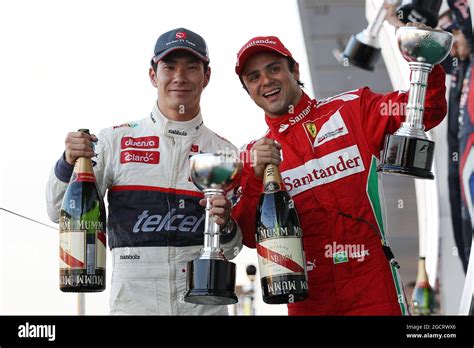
[[140, 143], [181, 35], [146, 157]]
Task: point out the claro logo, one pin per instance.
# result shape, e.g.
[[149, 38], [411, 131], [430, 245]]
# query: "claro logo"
[[169, 222], [146, 157], [140, 143]]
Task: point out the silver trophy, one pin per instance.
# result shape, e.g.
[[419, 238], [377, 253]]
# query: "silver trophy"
[[409, 151], [363, 49], [211, 277]]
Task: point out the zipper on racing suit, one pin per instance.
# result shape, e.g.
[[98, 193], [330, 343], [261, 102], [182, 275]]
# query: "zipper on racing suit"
[[172, 250]]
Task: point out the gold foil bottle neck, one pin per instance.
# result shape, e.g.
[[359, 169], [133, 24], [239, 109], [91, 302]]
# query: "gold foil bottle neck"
[[272, 181], [272, 173], [83, 165]]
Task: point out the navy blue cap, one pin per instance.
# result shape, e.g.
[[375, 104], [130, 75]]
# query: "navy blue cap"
[[180, 39]]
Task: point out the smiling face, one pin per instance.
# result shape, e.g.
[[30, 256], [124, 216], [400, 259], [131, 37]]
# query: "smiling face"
[[180, 79], [271, 84]]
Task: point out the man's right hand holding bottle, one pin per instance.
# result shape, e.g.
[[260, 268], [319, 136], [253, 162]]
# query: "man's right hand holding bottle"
[[264, 151], [79, 144]]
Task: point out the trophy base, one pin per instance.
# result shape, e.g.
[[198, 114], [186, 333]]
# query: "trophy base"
[[407, 156], [361, 54], [210, 282]]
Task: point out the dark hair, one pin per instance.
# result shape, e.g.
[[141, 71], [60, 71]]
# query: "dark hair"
[[154, 65], [291, 66]]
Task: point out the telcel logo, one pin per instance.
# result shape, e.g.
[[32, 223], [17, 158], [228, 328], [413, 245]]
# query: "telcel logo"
[[169, 222]]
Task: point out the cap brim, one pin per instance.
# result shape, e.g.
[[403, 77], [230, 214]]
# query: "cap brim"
[[242, 60], [159, 57]]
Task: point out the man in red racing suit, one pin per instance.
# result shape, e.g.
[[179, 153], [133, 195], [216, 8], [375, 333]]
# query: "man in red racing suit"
[[330, 150]]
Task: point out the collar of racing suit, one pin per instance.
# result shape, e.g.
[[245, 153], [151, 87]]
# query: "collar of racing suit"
[[176, 129], [282, 124]]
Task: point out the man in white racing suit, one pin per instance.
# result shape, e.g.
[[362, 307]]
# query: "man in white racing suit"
[[156, 215]]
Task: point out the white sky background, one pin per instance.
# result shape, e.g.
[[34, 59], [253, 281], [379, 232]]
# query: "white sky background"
[[66, 65]]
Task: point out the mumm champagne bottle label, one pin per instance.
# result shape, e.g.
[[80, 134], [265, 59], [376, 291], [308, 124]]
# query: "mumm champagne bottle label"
[[279, 251], [279, 243], [82, 241]]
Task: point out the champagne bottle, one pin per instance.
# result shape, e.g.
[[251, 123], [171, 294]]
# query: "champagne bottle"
[[423, 298], [82, 241], [279, 238]]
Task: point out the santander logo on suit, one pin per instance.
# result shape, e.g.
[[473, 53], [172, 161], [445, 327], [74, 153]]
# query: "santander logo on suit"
[[323, 170]]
